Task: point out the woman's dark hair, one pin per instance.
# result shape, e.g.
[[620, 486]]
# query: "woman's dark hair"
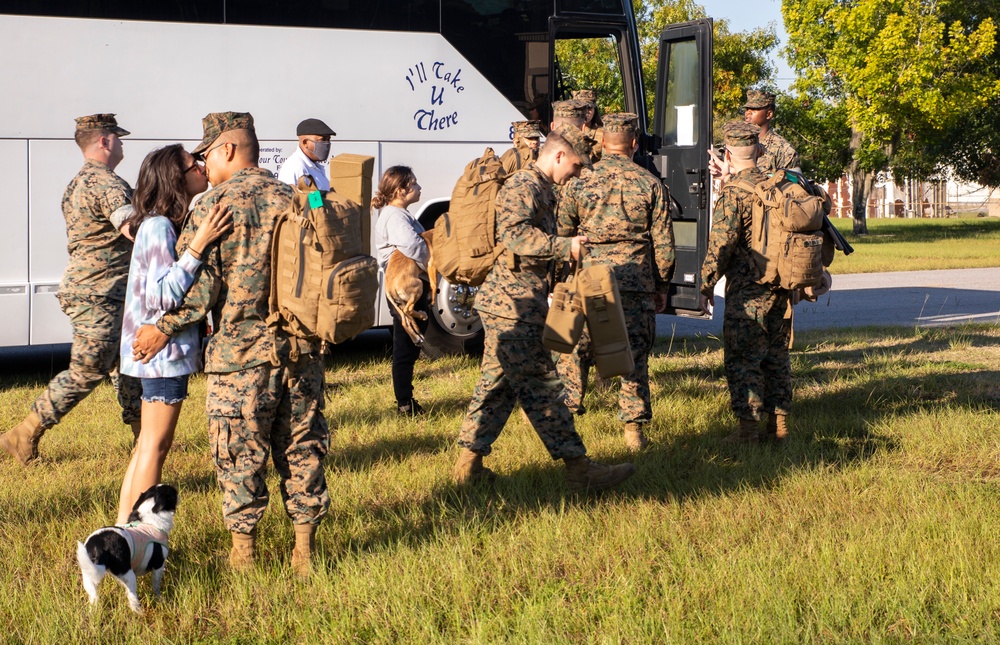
[[393, 180], [160, 188]]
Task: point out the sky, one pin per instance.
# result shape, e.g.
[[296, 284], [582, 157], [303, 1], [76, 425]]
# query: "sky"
[[744, 15]]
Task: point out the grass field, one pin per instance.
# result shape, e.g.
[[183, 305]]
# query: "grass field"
[[877, 522], [920, 244]]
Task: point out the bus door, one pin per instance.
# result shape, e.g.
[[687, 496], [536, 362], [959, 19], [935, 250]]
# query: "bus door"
[[682, 134]]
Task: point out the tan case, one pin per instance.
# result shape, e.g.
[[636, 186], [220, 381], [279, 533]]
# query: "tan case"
[[564, 322], [602, 305], [351, 176]]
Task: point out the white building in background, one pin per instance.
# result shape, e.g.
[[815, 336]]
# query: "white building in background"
[[944, 198]]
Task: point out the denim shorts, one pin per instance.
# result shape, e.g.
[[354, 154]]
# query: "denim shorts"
[[169, 390]]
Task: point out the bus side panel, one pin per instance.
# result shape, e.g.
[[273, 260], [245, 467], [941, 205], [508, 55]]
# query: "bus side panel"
[[14, 286]]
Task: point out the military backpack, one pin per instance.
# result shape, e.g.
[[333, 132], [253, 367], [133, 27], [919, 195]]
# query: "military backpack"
[[465, 245], [787, 243], [323, 284]]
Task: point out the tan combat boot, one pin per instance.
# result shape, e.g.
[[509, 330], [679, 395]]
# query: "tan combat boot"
[[746, 433], [241, 556], [777, 427], [469, 468], [635, 439], [582, 473], [21, 441], [305, 546]]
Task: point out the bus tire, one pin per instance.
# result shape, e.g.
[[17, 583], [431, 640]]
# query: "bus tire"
[[453, 326]]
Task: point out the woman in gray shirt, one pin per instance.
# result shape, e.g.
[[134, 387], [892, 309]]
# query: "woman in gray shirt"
[[397, 230]]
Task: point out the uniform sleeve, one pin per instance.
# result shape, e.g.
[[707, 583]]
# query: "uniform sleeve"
[[116, 203], [402, 235], [204, 289], [568, 209], [661, 230], [516, 230], [167, 279], [722, 240]]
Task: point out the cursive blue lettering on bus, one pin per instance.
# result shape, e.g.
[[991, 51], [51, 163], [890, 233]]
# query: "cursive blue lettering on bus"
[[427, 120]]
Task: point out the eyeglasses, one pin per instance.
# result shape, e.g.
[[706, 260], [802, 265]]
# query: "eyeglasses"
[[195, 164], [203, 155]]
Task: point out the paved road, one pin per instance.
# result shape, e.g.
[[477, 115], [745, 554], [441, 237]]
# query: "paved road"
[[906, 298]]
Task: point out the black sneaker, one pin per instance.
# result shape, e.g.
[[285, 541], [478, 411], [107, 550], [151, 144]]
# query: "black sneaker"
[[410, 409]]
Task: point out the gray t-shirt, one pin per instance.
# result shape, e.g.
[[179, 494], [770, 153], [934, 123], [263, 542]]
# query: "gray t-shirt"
[[397, 229]]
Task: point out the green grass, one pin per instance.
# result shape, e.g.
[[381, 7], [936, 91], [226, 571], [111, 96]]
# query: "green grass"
[[920, 244], [877, 522]]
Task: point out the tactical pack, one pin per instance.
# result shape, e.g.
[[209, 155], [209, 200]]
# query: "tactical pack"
[[602, 305], [323, 285], [465, 245], [786, 237], [564, 322]]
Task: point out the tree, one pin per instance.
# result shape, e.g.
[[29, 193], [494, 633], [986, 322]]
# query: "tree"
[[903, 75], [740, 61]]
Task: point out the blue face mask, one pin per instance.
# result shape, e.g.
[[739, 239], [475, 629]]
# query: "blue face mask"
[[321, 149]]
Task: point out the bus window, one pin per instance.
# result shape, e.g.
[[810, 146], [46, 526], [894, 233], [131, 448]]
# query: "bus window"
[[386, 15], [681, 107], [613, 7], [174, 11], [587, 62]]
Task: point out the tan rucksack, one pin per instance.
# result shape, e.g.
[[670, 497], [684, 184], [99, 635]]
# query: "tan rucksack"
[[323, 285], [786, 240], [602, 306], [465, 245]]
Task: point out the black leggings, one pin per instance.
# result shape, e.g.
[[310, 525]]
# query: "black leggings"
[[404, 352]]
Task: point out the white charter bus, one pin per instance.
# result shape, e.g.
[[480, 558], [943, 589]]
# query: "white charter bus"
[[424, 83]]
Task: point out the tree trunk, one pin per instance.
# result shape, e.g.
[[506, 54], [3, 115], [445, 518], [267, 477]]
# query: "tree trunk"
[[862, 182]]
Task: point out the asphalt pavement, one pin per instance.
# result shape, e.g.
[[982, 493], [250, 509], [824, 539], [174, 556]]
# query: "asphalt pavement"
[[905, 298]]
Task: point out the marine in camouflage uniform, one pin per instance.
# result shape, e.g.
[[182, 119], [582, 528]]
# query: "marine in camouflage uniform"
[[776, 152], [265, 390], [593, 128], [624, 211], [757, 324], [513, 305], [523, 153], [92, 291]]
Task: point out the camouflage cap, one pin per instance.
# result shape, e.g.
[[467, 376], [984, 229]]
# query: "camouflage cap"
[[571, 109], [582, 144], [739, 134], [528, 129], [215, 123], [100, 122], [757, 99], [587, 96], [624, 122]]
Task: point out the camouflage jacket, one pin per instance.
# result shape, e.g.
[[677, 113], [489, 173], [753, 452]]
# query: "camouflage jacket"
[[624, 210], [515, 159], [234, 280], [729, 254], [99, 255], [597, 134], [518, 286], [778, 153]]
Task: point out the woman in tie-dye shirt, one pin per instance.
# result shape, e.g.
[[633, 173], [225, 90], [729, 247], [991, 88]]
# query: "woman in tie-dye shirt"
[[168, 180]]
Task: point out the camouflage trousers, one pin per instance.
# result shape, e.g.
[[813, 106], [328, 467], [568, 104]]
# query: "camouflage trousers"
[[633, 399], [97, 337], [517, 368], [758, 367], [276, 411]]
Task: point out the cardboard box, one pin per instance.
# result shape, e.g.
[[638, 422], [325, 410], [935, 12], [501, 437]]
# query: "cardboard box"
[[351, 176]]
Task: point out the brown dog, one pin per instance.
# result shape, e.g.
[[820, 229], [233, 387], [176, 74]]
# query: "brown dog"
[[403, 286]]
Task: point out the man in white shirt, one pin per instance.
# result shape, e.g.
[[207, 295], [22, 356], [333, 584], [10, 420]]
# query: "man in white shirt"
[[314, 148]]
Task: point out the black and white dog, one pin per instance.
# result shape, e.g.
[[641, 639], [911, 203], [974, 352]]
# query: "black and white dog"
[[133, 549]]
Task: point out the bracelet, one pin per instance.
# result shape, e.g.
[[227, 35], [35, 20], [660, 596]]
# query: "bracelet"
[[195, 254]]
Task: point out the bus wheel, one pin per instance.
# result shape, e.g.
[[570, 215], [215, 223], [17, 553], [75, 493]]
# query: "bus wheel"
[[454, 326]]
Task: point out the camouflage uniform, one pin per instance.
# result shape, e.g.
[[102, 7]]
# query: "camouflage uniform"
[[777, 153], [624, 211], [521, 155], [265, 390], [757, 325], [513, 305], [592, 130], [92, 291]]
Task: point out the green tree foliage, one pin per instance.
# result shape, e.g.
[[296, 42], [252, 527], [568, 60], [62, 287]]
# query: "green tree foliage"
[[740, 61], [903, 72], [819, 131]]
